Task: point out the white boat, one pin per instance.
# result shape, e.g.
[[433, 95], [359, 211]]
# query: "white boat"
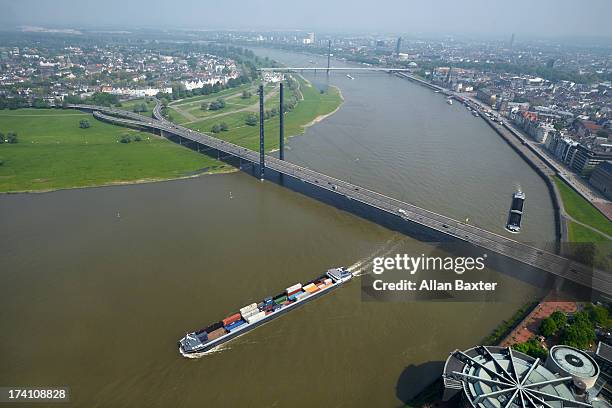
[[449, 101], [349, 76]]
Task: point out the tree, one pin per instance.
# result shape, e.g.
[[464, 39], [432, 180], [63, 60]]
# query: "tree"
[[1, 162], [216, 105], [39, 103], [532, 348], [251, 119], [137, 138], [548, 327], [216, 128], [224, 127], [583, 252], [204, 106], [580, 333], [141, 107], [84, 124], [560, 318], [125, 139], [11, 137], [1, 138], [246, 94], [597, 314]]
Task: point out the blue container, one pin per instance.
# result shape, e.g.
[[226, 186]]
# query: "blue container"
[[235, 325], [203, 337], [268, 300]]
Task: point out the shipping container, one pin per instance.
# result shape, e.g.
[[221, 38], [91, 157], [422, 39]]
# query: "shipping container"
[[249, 313], [311, 288], [203, 337], [231, 319], [247, 309], [280, 299], [294, 288], [268, 300], [302, 295], [256, 317], [214, 327], [216, 334], [235, 325]]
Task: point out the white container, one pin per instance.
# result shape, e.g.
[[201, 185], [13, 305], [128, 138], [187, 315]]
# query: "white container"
[[302, 295], [247, 309], [293, 288], [327, 281], [249, 313], [256, 317]]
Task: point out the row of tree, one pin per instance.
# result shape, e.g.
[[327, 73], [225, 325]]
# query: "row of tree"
[[128, 139], [252, 119]]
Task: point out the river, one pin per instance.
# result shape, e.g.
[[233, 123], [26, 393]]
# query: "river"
[[98, 284]]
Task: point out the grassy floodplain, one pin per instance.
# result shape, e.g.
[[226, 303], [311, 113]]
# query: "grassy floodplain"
[[312, 106], [581, 210], [53, 152]]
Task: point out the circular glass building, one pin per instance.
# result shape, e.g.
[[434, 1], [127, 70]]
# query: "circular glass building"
[[499, 377]]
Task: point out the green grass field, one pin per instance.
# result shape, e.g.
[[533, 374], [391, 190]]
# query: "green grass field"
[[54, 153], [581, 209], [313, 104], [129, 105], [579, 233], [188, 110]]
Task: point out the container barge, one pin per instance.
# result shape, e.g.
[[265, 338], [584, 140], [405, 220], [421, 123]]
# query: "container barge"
[[516, 212], [251, 316]]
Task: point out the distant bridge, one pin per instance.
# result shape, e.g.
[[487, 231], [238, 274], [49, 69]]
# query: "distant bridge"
[[358, 69], [600, 281]]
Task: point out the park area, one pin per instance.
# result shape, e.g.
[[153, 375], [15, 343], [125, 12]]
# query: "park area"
[[305, 104], [53, 151]]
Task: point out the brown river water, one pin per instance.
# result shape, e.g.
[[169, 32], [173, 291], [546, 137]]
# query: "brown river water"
[[99, 284]]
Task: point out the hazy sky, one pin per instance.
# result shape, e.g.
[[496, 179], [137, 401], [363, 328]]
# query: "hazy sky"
[[488, 17]]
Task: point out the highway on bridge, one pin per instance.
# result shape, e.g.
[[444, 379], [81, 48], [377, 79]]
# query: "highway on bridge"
[[535, 257], [355, 69]]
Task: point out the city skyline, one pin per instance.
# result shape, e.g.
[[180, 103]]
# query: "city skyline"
[[475, 17]]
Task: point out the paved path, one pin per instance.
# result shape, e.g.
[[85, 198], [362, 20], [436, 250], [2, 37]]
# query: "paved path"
[[530, 325]]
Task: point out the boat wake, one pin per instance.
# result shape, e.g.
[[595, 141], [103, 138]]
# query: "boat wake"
[[215, 350], [364, 265]]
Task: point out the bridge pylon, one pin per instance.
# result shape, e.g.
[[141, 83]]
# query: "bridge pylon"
[[261, 133], [282, 126]]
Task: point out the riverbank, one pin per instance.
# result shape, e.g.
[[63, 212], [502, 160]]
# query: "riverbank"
[[541, 166], [320, 118], [53, 152]]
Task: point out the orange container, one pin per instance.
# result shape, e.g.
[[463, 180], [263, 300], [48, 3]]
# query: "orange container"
[[233, 318]]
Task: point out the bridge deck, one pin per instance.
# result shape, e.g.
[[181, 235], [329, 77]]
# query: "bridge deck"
[[538, 258]]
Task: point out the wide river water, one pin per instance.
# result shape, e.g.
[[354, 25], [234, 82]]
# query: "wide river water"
[[99, 284]]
